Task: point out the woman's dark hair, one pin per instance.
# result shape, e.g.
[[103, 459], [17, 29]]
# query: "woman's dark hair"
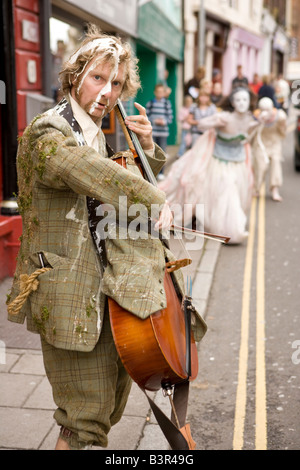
[[226, 103]]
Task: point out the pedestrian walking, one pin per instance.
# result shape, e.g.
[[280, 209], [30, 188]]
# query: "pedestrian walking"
[[267, 90], [240, 80], [183, 117], [217, 93], [266, 144], [256, 84], [193, 85], [282, 93], [203, 108]]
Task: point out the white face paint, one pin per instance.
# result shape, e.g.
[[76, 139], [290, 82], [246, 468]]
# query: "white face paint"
[[266, 106], [102, 81], [100, 44], [241, 101], [107, 89]]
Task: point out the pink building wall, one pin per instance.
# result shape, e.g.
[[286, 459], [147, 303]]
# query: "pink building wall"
[[244, 48]]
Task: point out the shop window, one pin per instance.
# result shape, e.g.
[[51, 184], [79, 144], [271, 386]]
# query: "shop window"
[[64, 40]]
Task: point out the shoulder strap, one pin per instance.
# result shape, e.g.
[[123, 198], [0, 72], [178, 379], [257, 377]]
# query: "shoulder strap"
[[176, 431], [92, 205]]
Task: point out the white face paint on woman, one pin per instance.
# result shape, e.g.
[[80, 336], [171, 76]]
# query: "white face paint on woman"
[[241, 101], [267, 109]]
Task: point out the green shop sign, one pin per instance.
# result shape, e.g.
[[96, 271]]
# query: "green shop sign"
[[156, 30]]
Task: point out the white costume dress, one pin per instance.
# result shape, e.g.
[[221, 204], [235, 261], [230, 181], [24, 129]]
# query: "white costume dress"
[[216, 172], [266, 143]]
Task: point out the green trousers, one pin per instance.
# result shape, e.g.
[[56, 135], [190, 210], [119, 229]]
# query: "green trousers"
[[90, 389]]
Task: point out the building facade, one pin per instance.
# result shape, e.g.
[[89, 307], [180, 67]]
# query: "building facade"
[[231, 35], [275, 27], [160, 50], [251, 33], [293, 67]]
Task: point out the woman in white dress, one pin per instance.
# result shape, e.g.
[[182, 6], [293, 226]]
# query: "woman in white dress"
[[214, 177]]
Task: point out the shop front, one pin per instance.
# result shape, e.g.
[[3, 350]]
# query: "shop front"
[[20, 65], [216, 43], [276, 47], [35, 38], [159, 48], [281, 49]]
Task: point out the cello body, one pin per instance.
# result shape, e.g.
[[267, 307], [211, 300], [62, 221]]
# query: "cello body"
[[153, 350]]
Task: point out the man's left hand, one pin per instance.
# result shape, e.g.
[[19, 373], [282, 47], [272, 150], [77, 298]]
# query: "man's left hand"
[[165, 218]]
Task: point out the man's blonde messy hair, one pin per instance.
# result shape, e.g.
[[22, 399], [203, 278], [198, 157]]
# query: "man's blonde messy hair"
[[71, 71]]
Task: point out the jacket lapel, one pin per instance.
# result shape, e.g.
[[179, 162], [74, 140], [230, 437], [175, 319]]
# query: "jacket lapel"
[[64, 109]]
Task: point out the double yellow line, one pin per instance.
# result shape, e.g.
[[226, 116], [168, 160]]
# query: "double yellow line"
[[261, 397]]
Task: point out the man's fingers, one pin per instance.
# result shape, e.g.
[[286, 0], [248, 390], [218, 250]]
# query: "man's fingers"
[[165, 219], [141, 126], [138, 119], [140, 108]]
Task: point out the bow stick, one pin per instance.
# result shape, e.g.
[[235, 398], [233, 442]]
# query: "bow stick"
[[210, 236]]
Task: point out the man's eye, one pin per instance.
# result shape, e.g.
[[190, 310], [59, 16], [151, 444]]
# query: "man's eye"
[[97, 77], [116, 83]]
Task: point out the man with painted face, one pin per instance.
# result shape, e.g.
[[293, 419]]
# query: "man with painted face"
[[216, 173], [64, 169]]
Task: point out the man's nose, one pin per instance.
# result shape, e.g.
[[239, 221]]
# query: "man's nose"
[[106, 89]]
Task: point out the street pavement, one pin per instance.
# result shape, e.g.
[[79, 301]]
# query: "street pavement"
[[26, 404]]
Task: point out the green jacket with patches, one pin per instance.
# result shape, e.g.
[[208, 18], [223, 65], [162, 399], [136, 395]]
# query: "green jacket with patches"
[[55, 177]]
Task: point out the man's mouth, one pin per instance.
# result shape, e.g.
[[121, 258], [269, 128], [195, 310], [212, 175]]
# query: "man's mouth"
[[100, 105]]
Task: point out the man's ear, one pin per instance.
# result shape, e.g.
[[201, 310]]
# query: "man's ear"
[[74, 87]]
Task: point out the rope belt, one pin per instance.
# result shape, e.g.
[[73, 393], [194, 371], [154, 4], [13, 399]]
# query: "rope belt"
[[28, 284]]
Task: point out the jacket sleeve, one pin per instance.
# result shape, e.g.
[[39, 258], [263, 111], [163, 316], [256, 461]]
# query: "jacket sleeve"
[[156, 159], [59, 162], [216, 120], [282, 124]]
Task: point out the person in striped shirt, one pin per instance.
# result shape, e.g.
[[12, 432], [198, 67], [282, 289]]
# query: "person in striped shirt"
[[160, 114]]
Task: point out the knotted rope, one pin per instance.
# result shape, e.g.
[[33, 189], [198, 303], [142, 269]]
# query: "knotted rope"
[[28, 284]]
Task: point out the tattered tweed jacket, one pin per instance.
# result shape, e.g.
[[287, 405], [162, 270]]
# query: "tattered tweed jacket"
[[55, 177]]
